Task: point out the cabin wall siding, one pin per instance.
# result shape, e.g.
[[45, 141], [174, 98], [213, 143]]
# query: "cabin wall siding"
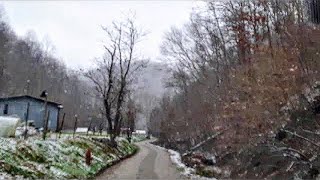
[[36, 111]]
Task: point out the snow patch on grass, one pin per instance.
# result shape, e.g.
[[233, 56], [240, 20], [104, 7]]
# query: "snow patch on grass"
[[183, 169], [176, 159], [62, 159]]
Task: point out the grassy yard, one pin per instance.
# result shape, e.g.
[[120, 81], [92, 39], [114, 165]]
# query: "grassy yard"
[[135, 138], [56, 159]]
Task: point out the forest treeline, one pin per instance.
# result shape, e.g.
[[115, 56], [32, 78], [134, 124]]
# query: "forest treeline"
[[101, 96], [239, 68], [28, 66]]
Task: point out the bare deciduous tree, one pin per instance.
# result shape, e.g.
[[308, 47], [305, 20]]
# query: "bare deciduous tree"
[[114, 72]]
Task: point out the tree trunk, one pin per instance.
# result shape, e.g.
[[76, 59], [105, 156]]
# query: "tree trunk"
[[113, 142]]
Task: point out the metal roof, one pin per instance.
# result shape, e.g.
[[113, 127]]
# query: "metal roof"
[[28, 97]]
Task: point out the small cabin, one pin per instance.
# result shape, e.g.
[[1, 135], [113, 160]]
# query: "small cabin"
[[18, 106], [140, 132], [82, 130]]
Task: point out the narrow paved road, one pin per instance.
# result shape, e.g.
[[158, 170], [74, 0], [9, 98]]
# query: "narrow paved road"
[[149, 163]]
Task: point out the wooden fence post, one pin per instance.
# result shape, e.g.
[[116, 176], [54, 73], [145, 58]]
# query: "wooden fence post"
[[45, 124], [45, 130], [75, 125], [89, 126], [26, 123], [62, 123]]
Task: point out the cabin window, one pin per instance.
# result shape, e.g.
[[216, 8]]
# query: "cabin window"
[[5, 110]]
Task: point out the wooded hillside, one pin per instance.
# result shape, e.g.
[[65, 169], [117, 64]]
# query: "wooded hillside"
[[243, 68]]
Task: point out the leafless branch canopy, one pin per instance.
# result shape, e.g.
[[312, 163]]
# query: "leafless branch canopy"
[[114, 72]]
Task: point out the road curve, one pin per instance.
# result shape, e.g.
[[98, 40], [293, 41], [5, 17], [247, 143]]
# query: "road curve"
[[150, 162]]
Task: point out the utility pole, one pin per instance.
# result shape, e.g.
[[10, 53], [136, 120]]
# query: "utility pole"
[[26, 122], [44, 95]]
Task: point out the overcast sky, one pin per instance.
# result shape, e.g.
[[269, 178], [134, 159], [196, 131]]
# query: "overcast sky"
[[73, 27]]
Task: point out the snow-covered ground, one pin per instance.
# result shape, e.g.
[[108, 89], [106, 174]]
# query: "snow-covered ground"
[[65, 158], [184, 170]]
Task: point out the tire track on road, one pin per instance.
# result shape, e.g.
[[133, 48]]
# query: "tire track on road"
[[147, 166]]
